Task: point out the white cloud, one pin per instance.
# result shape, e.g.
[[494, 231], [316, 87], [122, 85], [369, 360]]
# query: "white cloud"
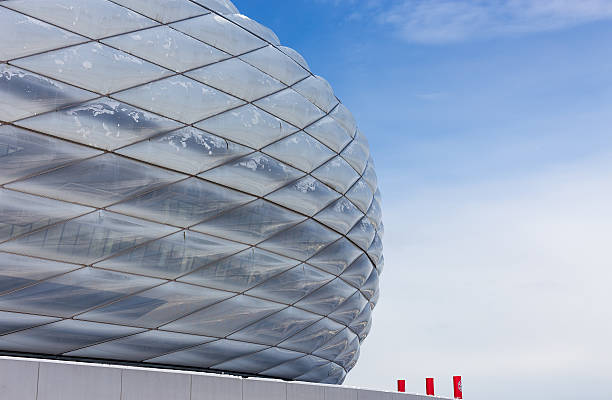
[[443, 21]]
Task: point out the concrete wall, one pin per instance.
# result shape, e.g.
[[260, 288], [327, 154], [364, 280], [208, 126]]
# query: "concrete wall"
[[29, 379]]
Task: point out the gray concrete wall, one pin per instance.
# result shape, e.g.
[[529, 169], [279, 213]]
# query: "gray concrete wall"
[[29, 379]]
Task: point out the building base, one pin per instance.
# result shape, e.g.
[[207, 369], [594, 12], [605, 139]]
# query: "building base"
[[38, 379]]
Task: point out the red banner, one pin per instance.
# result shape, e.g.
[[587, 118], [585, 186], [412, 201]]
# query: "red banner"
[[458, 387], [429, 386], [401, 385]]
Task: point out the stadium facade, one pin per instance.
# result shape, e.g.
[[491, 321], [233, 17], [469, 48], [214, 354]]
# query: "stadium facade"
[[178, 189]]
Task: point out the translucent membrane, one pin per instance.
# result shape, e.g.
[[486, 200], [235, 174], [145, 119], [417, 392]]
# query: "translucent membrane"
[[188, 150], [306, 195], [75, 292], [173, 256], [23, 35], [168, 48], [141, 346], [98, 181], [103, 123], [164, 11], [87, 239], [220, 33], [224, 318], [23, 94], [252, 223], [248, 125], [275, 63], [237, 78], [157, 306], [92, 18], [94, 66], [180, 98]]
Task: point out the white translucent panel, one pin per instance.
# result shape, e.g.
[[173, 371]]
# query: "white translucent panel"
[[341, 216], [22, 35], [92, 18], [345, 118], [183, 204], [350, 309], [224, 318], [251, 223], [313, 337], [292, 107], [318, 91], [330, 132], [354, 354], [302, 241], [381, 264], [103, 123], [94, 66], [381, 230], [349, 351], [220, 33], [157, 306], [371, 285], [248, 125], [74, 292], [297, 57], [141, 346], [259, 361], [277, 327], [356, 155], [98, 181], [301, 151], [19, 271], [292, 285], [180, 98], [336, 257], [62, 336], [206, 355], [337, 173], [361, 195], [328, 298], [294, 368], [23, 94], [237, 78], [358, 272], [362, 233], [275, 63], [24, 153], [164, 11], [21, 213], [11, 322], [87, 239], [330, 373], [173, 256], [369, 175], [336, 346], [374, 298], [307, 196], [219, 6], [375, 250], [242, 271], [375, 213], [168, 48], [254, 27], [256, 173], [362, 324], [187, 150]]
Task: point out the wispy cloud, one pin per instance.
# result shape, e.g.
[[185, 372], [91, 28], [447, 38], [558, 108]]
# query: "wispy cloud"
[[444, 21]]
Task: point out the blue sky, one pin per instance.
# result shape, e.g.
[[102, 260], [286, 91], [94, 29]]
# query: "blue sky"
[[491, 127]]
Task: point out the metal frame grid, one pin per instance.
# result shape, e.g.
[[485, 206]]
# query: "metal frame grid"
[[330, 353]]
